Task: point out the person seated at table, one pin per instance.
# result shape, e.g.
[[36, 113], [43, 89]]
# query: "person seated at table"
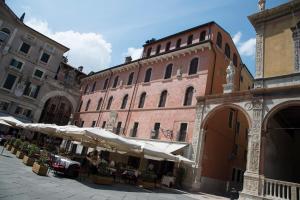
[[94, 160]]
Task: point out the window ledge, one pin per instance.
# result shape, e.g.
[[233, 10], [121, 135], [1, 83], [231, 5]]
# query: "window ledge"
[[113, 89], [147, 83], [192, 76], [7, 90], [128, 86], [28, 97], [167, 80]]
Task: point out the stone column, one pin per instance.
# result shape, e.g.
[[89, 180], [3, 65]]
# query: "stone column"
[[252, 180]]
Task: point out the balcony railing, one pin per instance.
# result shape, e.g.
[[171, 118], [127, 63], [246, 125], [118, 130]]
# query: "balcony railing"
[[281, 190]]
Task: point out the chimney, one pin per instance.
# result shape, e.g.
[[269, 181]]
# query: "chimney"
[[80, 68], [22, 17], [128, 59]]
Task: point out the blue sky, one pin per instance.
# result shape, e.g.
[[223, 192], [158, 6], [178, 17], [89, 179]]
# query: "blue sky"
[[101, 32]]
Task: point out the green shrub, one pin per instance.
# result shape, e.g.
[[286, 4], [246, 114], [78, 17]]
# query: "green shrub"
[[24, 146], [103, 169], [17, 143], [32, 150], [42, 160], [11, 141]]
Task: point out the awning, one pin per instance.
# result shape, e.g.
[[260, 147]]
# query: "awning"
[[4, 123], [166, 146]]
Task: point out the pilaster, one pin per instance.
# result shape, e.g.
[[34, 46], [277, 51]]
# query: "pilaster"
[[259, 52]]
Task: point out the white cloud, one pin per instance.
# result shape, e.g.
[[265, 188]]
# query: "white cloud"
[[87, 49], [246, 48], [237, 37], [135, 53]]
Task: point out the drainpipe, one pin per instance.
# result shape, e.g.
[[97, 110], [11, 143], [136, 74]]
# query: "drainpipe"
[[132, 99], [105, 96]]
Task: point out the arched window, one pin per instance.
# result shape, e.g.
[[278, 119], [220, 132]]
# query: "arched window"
[[148, 75], [109, 103], [86, 89], [163, 99], [219, 40], [130, 78], [168, 45], [149, 51], [168, 72], [178, 43], [158, 49], [142, 100], [105, 84], [115, 82], [6, 30], [124, 102], [4, 34], [227, 50], [99, 104], [193, 66], [202, 36], [80, 105], [93, 87], [190, 40], [87, 105], [234, 60], [188, 97]]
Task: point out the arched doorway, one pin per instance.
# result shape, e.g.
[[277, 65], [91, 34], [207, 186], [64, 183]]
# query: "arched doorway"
[[281, 161], [57, 110], [225, 150]]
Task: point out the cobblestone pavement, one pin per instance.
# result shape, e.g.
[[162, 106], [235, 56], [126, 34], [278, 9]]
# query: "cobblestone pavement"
[[17, 181]]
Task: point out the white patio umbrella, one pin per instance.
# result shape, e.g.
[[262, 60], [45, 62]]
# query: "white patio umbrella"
[[11, 120], [4, 123]]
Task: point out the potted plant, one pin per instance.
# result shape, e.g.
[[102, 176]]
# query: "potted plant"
[[30, 157], [16, 146], [23, 149], [10, 143], [40, 166], [103, 175], [148, 179]]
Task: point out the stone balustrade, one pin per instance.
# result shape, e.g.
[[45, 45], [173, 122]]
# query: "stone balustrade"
[[281, 190]]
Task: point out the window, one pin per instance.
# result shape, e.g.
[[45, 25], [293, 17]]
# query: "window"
[[4, 106], [163, 99], [87, 105], [93, 123], [109, 103], [16, 64], [115, 82], [124, 102], [168, 45], [118, 129], [86, 89], [230, 119], [25, 48], [31, 90], [242, 78], [134, 129], [149, 51], [155, 131], [188, 97], [178, 43], [219, 40], [238, 128], [22, 111], [82, 123], [227, 50], [190, 40], [4, 34], [246, 133], [158, 49], [45, 57], [148, 75], [105, 84], [103, 124], [84, 151], [168, 72], [38, 74], [130, 78], [182, 132], [202, 36], [193, 66], [94, 86], [142, 100], [80, 105], [9, 81], [99, 104], [234, 59]]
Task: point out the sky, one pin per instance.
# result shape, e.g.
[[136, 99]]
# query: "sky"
[[100, 33]]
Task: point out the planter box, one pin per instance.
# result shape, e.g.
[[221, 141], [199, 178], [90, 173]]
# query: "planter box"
[[148, 185], [20, 154], [102, 180], [39, 169], [8, 147], [13, 150], [28, 161]]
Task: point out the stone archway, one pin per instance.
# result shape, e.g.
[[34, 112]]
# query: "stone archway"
[[224, 149]]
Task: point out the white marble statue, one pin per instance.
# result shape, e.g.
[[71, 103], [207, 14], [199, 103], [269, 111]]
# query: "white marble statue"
[[261, 5], [230, 73]]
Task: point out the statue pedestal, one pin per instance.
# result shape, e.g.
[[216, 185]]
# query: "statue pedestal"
[[228, 88]]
